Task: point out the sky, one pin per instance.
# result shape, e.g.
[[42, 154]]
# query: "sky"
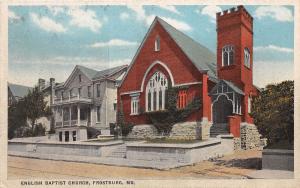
[[48, 41]]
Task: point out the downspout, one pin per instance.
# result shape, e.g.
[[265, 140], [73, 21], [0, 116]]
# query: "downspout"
[[105, 102]]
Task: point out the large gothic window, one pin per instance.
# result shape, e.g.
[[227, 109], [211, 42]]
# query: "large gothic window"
[[227, 55], [156, 92]]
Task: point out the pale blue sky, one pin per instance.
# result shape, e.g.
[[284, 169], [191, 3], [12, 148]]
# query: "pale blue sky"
[[49, 41]]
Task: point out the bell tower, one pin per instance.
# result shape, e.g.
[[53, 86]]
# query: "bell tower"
[[235, 46], [235, 53]]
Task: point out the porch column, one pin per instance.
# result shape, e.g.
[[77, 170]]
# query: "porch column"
[[78, 115], [70, 113], [91, 116], [62, 116], [62, 136], [206, 109]]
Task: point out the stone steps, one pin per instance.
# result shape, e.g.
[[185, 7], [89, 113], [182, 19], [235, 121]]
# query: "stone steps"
[[218, 129]]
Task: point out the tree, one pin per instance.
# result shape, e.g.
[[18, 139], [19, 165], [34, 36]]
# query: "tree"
[[273, 112], [16, 117], [36, 107], [123, 127], [164, 120]]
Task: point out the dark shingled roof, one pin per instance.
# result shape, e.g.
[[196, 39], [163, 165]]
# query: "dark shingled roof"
[[19, 90], [234, 87], [90, 73], [108, 72], [201, 56], [94, 74]]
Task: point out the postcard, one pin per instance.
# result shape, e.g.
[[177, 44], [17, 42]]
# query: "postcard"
[[148, 94]]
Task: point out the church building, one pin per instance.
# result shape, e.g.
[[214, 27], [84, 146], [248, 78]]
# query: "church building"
[[169, 58]]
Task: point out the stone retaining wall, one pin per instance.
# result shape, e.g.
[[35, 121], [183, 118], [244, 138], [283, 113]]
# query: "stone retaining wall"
[[58, 148], [237, 143], [250, 137], [278, 159], [180, 153]]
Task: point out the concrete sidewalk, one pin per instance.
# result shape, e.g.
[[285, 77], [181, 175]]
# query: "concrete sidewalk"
[[271, 174]]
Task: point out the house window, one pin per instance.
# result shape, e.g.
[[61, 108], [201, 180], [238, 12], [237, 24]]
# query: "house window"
[[134, 105], [157, 44], [71, 92], [98, 113], [74, 135], [79, 92], [115, 106], [89, 91], [59, 111], [247, 57], [98, 90], [79, 77], [182, 99], [60, 136], [156, 92], [66, 136], [227, 55]]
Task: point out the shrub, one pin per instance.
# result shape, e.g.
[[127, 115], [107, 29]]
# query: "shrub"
[[164, 120], [273, 112]]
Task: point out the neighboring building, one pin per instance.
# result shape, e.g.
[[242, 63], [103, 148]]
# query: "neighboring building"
[[48, 90], [17, 92], [86, 101], [168, 58]]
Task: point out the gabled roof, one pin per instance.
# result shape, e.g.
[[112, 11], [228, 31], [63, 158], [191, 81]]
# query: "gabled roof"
[[108, 72], [93, 74], [201, 56], [234, 87], [19, 90], [90, 73]]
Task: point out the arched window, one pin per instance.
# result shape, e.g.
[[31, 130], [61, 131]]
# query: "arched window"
[[227, 55], [157, 44], [247, 57], [156, 92]]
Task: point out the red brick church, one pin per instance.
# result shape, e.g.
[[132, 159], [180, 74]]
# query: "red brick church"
[[169, 58]]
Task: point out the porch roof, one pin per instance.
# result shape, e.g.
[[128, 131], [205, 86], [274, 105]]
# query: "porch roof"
[[229, 84]]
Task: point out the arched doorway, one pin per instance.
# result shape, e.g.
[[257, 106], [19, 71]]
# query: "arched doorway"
[[222, 108], [226, 99]]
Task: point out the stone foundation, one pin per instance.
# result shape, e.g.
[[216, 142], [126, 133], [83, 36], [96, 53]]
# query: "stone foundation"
[[185, 131], [143, 132], [250, 137], [191, 130]]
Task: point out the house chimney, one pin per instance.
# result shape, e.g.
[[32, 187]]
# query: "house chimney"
[[41, 83], [52, 81]]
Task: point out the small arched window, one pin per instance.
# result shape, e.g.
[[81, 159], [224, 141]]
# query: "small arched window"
[[157, 44], [247, 57], [227, 55]]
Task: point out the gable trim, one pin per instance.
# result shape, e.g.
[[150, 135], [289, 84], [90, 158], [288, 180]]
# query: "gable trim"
[[157, 62], [72, 74], [139, 49]]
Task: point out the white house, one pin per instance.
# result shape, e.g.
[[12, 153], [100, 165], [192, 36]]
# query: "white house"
[[84, 106]]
